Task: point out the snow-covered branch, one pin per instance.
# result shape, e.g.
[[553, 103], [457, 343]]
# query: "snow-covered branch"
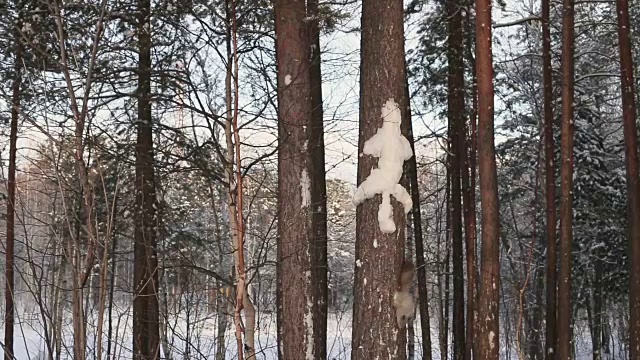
[[522, 21]]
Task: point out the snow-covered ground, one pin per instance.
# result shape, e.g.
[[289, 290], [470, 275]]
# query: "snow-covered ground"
[[197, 338]]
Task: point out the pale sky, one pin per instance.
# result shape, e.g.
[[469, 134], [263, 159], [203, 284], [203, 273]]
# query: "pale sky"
[[341, 91]]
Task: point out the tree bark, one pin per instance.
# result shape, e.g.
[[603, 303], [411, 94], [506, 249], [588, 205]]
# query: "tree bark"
[[379, 256], [146, 328], [444, 338], [489, 297], [456, 107], [297, 307], [318, 187], [469, 200], [11, 192], [550, 182], [469, 212], [416, 216], [566, 176], [633, 191]]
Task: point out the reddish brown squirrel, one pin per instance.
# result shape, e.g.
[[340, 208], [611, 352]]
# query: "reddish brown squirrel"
[[403, 299]]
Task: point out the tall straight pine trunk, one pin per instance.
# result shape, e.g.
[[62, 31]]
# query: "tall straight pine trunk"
[[489, 296], [146, 326], [379, 256], [633, 190], [421, 270], [298, 309], [550, 183], [566, 186], [456, 116], [318, 187], [469, 196]]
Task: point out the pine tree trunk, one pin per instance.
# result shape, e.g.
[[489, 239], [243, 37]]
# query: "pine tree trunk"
[[297, 306], [421, 270], [318, 187], [444, 334], [566, 177], [633, 191], [469, 212], [469, 198], [146, 328], [489, 295], [379, 256], [11, 193], [456, 108], [550, 183]]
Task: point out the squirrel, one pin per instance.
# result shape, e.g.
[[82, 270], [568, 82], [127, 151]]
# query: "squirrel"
[[403, 299]]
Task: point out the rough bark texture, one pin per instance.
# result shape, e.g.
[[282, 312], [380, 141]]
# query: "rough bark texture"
[[146, 329], [378, 256], [488, 304], [296, 303], [550, 182], [633, 191], [318, 188], [564, 335], [455, 112], [11, 193]]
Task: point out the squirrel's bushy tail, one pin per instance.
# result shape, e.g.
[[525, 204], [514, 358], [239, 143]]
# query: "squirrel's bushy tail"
[[403, 299]]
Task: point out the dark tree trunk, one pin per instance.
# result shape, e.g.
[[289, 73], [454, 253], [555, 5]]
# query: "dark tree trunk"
[[566, 176], [318, 187], [379, 256], [633, 192], [146, 328], [489, 296], [469, 199], [416, 216], [455, 112], [550, 182], [444, 339], [440, 275], [469, 211], [11, 192], [297, 308]]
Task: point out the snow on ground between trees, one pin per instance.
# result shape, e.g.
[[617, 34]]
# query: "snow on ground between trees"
[[392, 149]]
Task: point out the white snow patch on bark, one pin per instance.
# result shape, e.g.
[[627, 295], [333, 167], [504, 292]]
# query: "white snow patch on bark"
[[492, 337], [392, 149], [305, 186], [308, 323], [287, 79]]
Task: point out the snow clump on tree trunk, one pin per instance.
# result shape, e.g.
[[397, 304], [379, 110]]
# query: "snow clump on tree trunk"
[[392, 149]]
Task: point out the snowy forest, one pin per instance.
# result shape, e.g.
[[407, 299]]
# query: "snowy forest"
[[319, 180]]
